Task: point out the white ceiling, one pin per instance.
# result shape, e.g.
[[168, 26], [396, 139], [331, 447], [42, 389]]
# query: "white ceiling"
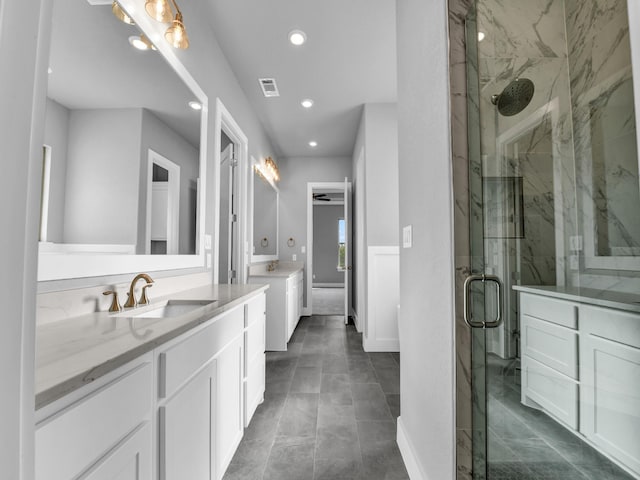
[[349, 59]]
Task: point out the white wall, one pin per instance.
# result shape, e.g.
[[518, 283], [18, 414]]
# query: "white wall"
[[295, 173], [21, 154], [427, 422], [375, 171], [103, 176]]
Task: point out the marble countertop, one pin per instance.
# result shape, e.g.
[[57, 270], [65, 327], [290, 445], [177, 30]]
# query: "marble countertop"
[[73, 352], [278, 272], [602, 298]]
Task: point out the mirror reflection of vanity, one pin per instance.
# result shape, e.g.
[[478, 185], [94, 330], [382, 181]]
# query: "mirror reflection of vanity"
[[265, 218], [124, 158]]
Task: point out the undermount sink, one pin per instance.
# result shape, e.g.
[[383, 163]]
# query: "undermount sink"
[[172, 308]]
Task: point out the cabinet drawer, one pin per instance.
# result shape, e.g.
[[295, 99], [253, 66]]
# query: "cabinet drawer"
[[551, 344], [256, 309], [69, 442], [561, 312], [553, 391], [253, 343], [182, 360]]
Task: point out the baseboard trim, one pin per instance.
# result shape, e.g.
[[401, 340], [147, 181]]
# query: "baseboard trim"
[[408, 454], [356, 321], [387, 345]]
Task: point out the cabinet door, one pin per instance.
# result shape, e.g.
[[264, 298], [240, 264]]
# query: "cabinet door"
[[228, 405], [130, 460], [610, 402], [292, 302], [185, 429]]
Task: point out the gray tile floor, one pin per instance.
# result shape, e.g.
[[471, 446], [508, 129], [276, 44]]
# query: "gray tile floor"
[[327, 301], [526, 444], [329, 413]]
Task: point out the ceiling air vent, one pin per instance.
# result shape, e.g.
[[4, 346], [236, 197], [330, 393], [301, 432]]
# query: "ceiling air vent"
[[269, 87]]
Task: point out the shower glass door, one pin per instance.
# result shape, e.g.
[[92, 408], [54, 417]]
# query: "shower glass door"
[[553, 179]]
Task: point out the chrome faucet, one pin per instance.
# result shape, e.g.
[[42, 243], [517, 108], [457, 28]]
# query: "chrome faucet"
[[131, 299]]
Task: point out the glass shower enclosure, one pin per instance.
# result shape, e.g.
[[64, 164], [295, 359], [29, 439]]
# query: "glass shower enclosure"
[[553, 169]]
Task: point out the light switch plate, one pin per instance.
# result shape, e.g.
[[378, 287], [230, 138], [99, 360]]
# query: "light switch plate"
[[407, 236], [207, 242], [294, 257], [303, 249]]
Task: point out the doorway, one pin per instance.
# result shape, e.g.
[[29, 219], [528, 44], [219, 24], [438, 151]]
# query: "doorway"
[[163, 206], [231, 213], [329, 248]]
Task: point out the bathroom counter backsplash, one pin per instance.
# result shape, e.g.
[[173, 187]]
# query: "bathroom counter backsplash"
[[73, 352], [602, 298]]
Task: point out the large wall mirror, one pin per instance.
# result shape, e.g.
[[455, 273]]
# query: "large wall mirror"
[[265, 218], [124, 153]]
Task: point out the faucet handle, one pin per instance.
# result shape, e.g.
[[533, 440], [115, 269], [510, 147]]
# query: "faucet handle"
[[144, 299], [115, 304]]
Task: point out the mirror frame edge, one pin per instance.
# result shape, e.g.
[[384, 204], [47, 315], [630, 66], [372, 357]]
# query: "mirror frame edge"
[[57, 267], [263, 258]]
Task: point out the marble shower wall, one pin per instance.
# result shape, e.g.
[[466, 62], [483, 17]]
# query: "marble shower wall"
[[527, 40], [605, 144]]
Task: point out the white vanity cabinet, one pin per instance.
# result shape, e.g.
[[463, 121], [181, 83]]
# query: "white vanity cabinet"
[[284, 306], [254, 356], [581, 364], [549, 342], [200, 399], [610, 382], [176, 412], [100, 432]]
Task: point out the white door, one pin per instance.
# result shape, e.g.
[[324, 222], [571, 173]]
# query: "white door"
[[228, 234], [347, 250]]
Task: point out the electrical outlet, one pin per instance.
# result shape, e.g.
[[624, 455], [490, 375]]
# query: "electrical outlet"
[[293, 257], [303, 249], [209, 260], [207, 242]]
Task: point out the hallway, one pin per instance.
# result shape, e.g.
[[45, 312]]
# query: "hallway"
[[329, 413]]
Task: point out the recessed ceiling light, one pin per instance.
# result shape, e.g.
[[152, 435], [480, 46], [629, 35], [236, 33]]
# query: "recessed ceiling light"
[[307, 103], [297, 37], [313, 143], [195, 105], [141, 42], [481, 36]]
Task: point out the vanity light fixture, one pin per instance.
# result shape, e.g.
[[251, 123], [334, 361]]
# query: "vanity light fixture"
[[121, 14], [195, 105], [307, 103], [313, 144], [297, 37], [141, 42], [272, 169], [161, 11]]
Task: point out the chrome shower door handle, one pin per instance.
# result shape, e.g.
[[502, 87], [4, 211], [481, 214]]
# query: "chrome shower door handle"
[[468, 315]]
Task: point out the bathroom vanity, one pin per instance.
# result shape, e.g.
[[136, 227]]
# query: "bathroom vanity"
[[284, 301], [581, 365], [129, 396]]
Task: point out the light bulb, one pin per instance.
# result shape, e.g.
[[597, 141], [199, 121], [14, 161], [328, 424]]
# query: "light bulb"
[[176, 35], [159, 10]]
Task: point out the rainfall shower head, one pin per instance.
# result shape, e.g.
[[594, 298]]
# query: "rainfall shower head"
[[515, 97]]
